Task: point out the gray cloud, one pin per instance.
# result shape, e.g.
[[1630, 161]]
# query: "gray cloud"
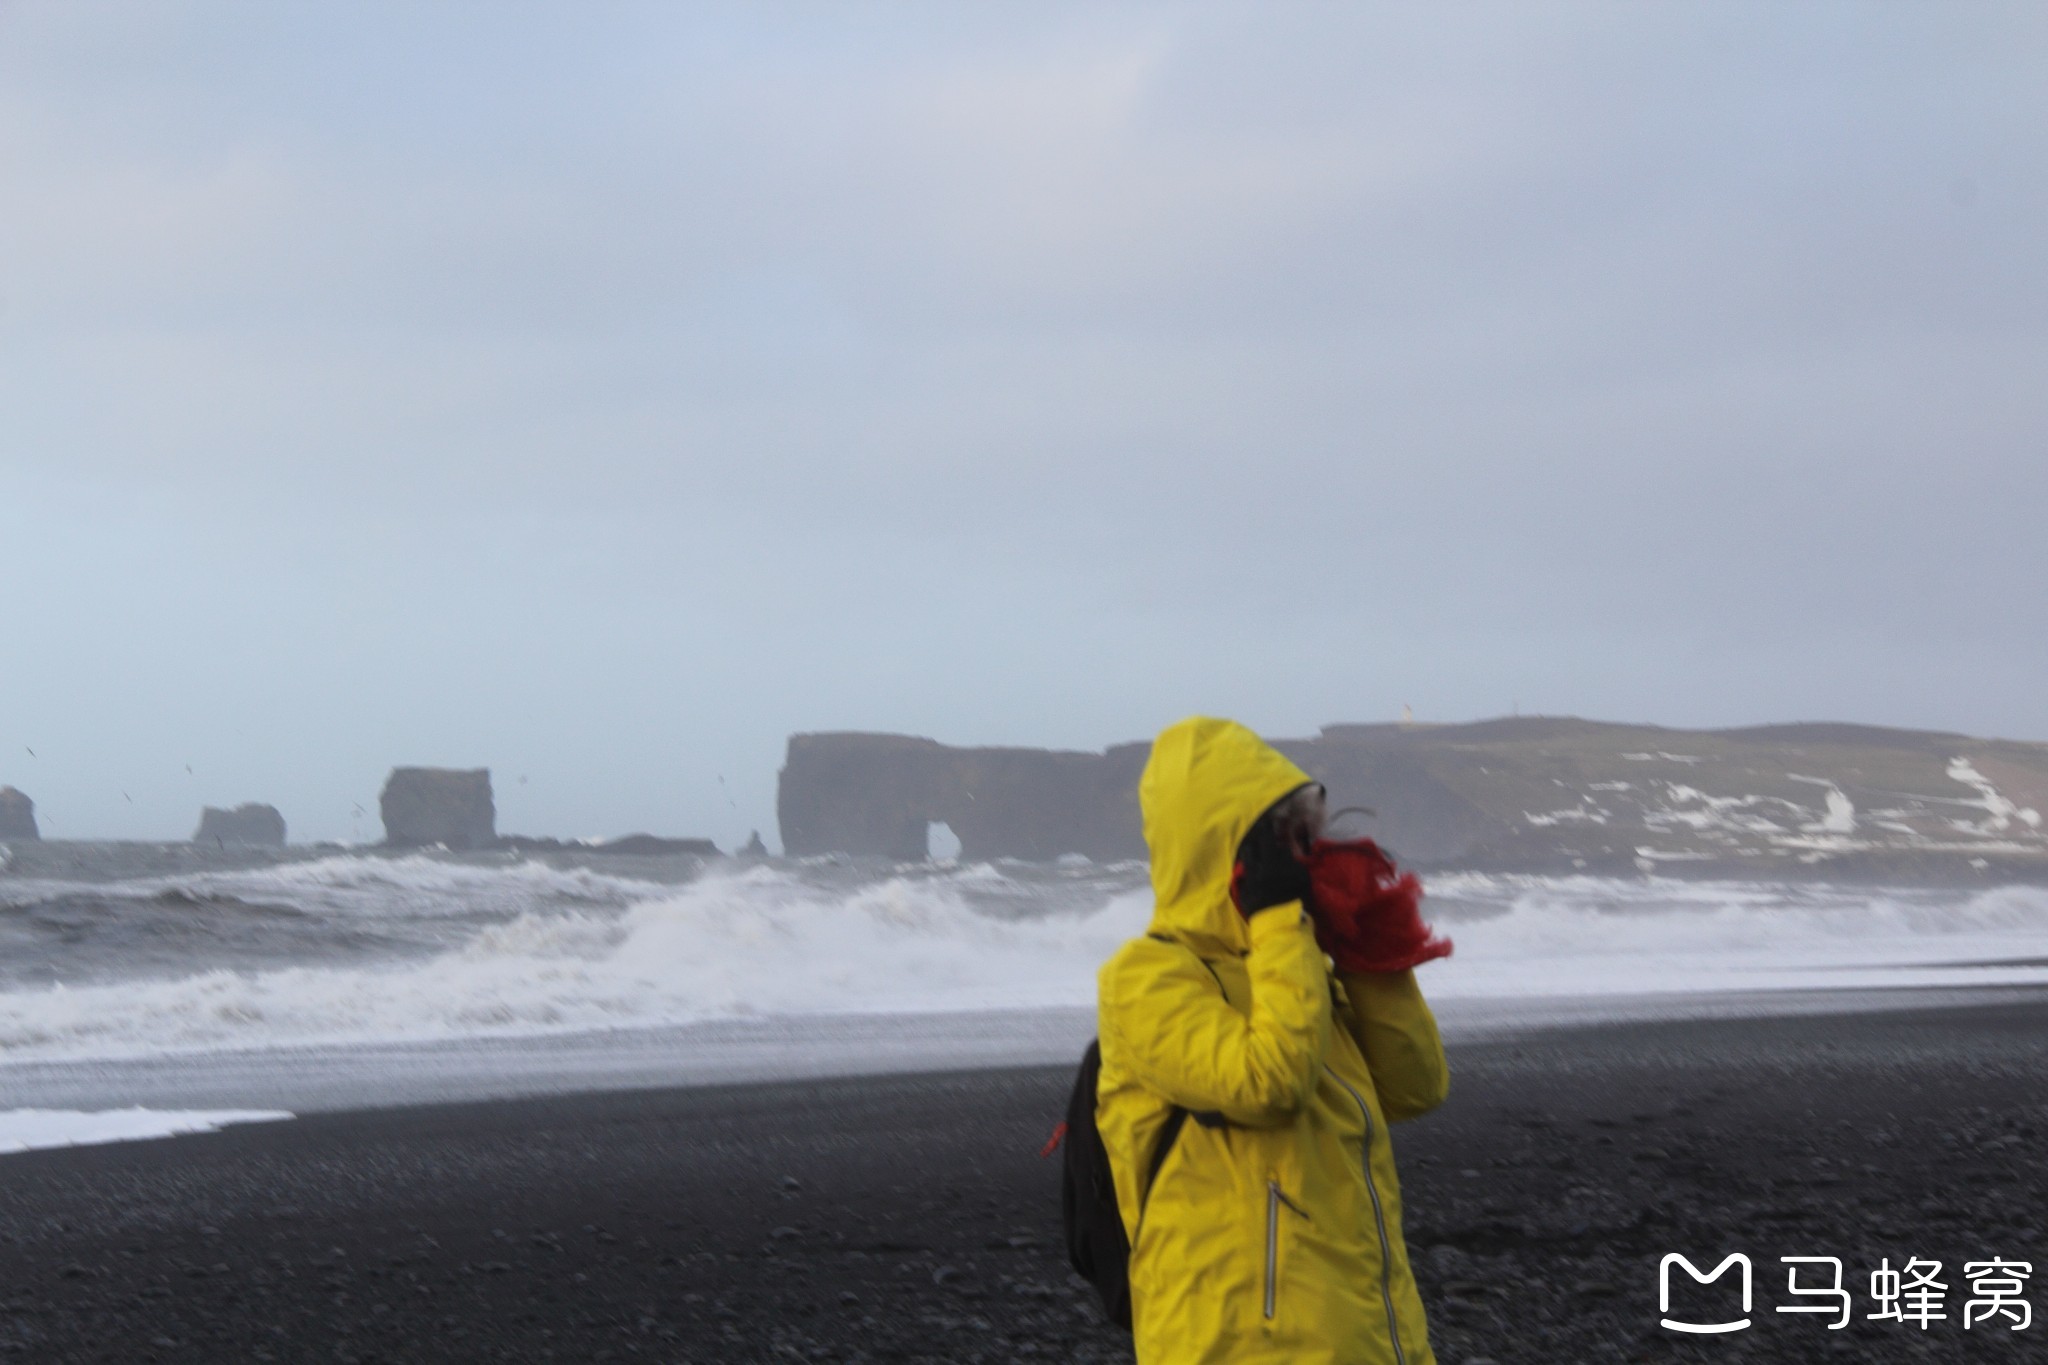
[[602, 394]]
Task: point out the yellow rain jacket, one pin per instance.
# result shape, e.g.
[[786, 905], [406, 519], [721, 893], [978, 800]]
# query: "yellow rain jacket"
[[1272, 1233]]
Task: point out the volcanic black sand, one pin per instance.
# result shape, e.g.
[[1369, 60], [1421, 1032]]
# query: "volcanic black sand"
[[911, 1217]]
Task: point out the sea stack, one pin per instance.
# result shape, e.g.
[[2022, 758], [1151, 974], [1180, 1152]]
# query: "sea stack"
[[451, 806], [878, 795], [250, 825], [17, 815]]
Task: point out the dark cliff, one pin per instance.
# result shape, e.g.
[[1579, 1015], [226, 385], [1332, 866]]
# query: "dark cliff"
[[879, 794], [250, 825], [452, 806], [1538, 794], [17, 815]]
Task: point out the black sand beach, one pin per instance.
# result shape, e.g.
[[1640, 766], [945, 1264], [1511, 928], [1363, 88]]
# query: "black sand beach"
[[910, 1218]]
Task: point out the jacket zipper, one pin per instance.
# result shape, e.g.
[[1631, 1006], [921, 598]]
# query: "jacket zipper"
[[1379, 1218], [1275, 1197], [1272, 1240]]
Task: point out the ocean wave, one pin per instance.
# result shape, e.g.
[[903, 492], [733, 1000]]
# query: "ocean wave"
[[758, 942], [417, 884], [1585, 935], [527, 948]]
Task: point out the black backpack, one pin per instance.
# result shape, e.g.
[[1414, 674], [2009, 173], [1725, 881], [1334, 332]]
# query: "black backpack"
[[1096, 1243]]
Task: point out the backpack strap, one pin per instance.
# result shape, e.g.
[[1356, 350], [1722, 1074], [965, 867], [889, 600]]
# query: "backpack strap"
[[1175, 1118]]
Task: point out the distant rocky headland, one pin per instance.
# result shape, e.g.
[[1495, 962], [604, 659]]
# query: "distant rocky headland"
[[1549, 795], [422, 808], [453, 808], [1524, 794]]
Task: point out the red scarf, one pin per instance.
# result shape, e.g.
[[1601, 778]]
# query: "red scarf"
[[1368, 913]]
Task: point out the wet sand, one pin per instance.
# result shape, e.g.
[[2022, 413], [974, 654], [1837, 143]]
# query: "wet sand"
[[910, 1218]]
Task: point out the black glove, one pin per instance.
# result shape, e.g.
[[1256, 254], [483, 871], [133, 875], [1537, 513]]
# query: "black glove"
[[1267, 873]]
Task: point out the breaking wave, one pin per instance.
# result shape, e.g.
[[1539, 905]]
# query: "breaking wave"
[[761, 941], [1522, 936], [373, 949]]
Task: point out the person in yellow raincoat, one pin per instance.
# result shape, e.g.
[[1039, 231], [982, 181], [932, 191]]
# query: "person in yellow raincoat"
[[1272, 1229]]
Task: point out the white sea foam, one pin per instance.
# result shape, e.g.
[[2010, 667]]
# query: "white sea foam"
[[26, 1130], [1523, 936], [762, 942], [567, 950], [415, 885]]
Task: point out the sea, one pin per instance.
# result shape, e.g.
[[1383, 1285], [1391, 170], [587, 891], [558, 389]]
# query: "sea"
[[157, 978]]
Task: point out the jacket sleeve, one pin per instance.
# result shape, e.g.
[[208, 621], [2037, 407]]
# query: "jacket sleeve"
[[1399, 1038], [1166, 1021]]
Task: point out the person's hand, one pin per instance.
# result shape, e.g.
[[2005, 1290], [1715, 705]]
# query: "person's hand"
[[1269, 871]]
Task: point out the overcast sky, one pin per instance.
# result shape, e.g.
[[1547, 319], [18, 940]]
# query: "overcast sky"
[[601, 392]]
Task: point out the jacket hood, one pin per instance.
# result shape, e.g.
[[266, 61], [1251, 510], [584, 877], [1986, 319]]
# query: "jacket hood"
[[1205, 783]]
